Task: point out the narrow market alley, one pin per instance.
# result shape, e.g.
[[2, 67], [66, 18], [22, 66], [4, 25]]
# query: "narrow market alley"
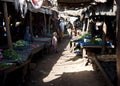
[[64, 69], [59, 43]]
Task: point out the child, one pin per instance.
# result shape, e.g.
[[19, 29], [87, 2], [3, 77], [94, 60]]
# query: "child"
[[54, 42]]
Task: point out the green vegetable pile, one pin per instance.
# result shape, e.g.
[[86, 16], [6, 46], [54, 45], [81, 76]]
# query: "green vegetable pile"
[[85, 35], [98, 39], [5, 65], [95, 40], [19, 43], [11, 54]]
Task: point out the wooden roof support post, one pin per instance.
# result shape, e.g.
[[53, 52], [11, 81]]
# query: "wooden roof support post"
[[45, 24], [118, 42], [88, 22], [104, 28], [7, 25], [31, 32], [49, 22]]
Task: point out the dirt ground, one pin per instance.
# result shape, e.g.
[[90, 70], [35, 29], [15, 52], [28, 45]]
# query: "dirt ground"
[[64, 68]]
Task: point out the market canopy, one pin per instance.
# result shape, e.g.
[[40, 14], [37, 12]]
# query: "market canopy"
[[8, 0], [79, 3], [43, 9]]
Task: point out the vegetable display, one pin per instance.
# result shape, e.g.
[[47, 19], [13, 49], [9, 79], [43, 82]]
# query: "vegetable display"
[[19, 43], [11, 54]]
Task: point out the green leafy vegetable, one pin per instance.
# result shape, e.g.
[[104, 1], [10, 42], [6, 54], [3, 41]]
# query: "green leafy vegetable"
[[10, 53], [19, 43]]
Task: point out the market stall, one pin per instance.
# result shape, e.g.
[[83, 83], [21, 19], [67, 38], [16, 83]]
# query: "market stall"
[[107, 65], [20, 50], [102, 48], [99, 17], [46, 41]]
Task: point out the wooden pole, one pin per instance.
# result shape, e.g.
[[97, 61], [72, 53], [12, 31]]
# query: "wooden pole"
[[104, 28], [49, 24], [7, 25], [45, 23], [118, 42], [31, 26], [118, 46], [88, 22], [31, 23]]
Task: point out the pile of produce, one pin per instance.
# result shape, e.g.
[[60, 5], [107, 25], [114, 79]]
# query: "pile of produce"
[[11, 54], [19, 43], [96, 40], [5, 65], [87, 36]]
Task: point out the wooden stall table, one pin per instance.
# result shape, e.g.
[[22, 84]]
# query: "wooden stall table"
[[91, 51], [92, 47], [107, 65], [87, 48], [42, 39], [36, 47], [45, 40], [26, 53], [14, 65]]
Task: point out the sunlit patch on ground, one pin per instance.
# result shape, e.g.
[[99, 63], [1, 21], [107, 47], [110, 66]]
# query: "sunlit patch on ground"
[[67, 64]]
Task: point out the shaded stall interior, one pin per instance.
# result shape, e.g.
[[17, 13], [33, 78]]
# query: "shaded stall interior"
[[104, 12], [16, 23], [97, 30], [17, 26], [38, 24]]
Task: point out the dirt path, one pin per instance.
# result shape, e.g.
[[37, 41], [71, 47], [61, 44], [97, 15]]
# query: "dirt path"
[[64, 69]]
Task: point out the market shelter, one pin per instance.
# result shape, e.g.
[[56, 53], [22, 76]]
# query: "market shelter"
[[19, 52], [102, 14], [19, 58], [73, 4]]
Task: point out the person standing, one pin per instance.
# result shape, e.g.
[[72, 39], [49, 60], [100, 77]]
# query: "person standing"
[[27, 36], [54, 42], [73, 31], [62, 26], [69, 27]]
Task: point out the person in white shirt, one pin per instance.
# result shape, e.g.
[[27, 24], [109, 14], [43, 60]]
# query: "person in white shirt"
[[62, 26], [54, 42]]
